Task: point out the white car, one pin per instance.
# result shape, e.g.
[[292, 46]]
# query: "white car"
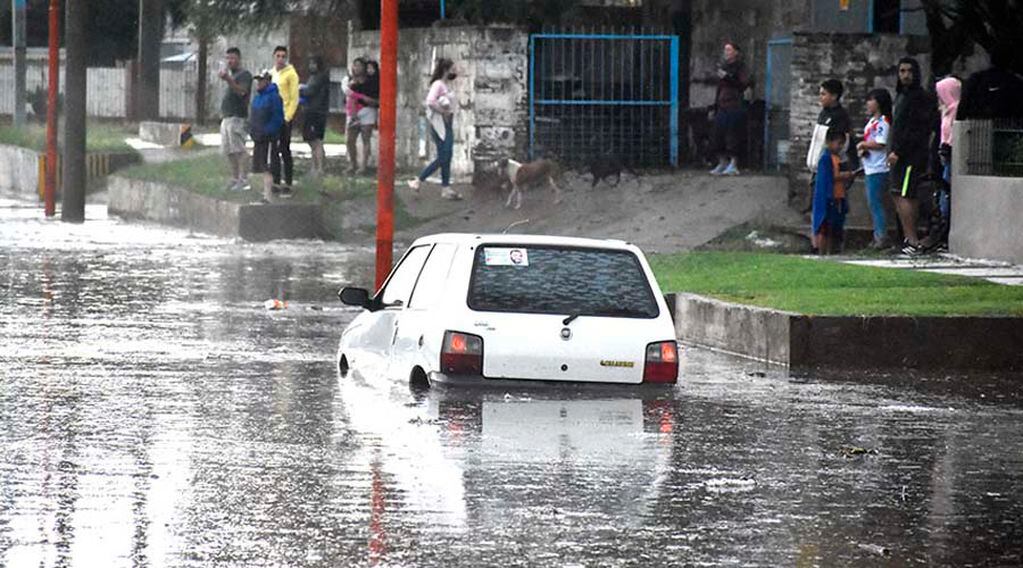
[[483, 308]]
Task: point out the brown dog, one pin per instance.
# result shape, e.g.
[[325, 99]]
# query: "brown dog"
[[529, 174]]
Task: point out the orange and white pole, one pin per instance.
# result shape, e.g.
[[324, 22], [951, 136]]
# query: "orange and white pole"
[[388, 120]]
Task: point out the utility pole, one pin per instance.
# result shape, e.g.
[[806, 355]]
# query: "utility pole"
[[150, 38], [18, 37], [52, 89], [388, 119], [76, 42]]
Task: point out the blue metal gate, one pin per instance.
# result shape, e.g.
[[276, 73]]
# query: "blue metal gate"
[[778, 103], [594, 95]]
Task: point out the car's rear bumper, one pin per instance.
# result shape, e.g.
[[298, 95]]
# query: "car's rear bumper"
[[484, 382]]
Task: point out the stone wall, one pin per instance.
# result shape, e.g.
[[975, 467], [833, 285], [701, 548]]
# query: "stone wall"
[[750, 24], [862, 62], [492, 117]]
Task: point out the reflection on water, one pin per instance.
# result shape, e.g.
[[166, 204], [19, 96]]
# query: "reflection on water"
[[152, 413]]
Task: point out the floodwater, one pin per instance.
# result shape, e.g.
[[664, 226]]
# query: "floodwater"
[[153, 413]]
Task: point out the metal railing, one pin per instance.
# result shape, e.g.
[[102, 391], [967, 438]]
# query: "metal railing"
[[994, 147]]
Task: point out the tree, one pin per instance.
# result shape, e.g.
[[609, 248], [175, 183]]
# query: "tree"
[[956, 26]]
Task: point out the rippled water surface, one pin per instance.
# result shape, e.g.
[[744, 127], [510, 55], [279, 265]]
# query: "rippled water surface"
[[153, 413]]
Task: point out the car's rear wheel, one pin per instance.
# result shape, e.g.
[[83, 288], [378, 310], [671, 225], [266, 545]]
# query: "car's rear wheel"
[[418, 379], [342, 366]]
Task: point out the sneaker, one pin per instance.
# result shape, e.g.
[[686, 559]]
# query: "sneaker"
[[911, 249], [275, 189], [730, 170], [230, 185], [241, 185], [285, 192], [414, 184], [448, 193], [720, 169]]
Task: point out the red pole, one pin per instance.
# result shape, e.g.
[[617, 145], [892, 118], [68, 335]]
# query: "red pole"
[[388, 119], [50, 189]]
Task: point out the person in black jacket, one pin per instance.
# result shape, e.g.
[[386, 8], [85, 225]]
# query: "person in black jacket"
[[316, 97], [913, 126]]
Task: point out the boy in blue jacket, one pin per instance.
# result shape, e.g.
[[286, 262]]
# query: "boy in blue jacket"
[[265, 120], [829, 204]]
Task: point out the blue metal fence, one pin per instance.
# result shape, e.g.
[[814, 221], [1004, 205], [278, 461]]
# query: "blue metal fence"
[[594, 95]]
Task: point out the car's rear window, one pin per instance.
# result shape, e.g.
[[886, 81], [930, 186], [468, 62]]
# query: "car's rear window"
[[560, 280]]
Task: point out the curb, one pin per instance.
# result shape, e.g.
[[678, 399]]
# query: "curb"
[[803, 342], [177, 206]]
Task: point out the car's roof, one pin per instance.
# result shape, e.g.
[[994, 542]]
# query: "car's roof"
[[474, 238]]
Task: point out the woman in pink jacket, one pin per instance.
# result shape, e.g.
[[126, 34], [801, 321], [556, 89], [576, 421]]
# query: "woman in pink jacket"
[[440, 111]]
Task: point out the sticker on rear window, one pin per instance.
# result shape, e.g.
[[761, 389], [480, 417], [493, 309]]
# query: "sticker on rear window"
[[505, 257]]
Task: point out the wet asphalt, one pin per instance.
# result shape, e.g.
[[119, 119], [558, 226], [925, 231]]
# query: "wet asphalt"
[[153, 413]]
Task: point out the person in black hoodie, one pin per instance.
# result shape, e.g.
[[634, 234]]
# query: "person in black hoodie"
[[316, 99], [914, 123]]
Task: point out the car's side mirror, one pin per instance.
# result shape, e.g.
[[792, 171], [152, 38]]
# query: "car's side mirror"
[[358, 297]]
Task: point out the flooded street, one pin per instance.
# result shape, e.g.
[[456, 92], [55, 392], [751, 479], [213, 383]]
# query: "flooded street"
[[153, 413]]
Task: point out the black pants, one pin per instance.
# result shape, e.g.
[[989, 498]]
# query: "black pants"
[[282, 153]]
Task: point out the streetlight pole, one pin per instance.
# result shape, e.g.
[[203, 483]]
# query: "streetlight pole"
[[388, 119]]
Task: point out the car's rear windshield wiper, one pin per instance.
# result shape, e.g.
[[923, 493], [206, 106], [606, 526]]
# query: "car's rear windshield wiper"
[[570, 319]]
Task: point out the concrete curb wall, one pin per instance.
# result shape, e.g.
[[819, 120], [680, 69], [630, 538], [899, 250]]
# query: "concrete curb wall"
[[19, 171], [856, 342], [21, 168], [155, 201]]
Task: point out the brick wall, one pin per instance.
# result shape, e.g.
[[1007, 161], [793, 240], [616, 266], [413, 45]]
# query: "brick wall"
[[492, 117]]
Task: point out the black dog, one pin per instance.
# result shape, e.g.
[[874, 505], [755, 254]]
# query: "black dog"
[[607, 165]]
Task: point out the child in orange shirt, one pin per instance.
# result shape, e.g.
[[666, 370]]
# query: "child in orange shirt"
[[829, 204]]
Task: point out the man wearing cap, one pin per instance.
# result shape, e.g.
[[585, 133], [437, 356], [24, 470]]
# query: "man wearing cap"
[[266, 120]]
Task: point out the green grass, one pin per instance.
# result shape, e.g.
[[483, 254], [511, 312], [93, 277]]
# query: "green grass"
[[821, 287], [332, 136], [100, 137]]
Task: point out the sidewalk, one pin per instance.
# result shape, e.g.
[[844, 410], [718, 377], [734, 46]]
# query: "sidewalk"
[[212, 140], [992, 271]]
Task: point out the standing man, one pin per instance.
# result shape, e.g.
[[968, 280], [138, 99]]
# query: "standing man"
[[316, 94], [234, 110], [915, 117], [286, 79]]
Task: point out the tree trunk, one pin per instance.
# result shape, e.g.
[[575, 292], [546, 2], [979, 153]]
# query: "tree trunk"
[[76, 43], [150, 38], [201, 81]]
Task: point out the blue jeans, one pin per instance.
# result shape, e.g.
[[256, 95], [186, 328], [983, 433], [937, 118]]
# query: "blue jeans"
[[445, 151], [876, 186]]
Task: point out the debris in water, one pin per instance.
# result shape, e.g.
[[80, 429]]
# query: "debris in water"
[[275, 304]]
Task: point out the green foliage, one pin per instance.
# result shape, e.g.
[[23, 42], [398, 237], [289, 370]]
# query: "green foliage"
[[956, 25], [535, 13], [824, 287]]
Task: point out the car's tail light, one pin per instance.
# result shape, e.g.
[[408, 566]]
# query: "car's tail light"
[[462, 354], [661, 363]]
